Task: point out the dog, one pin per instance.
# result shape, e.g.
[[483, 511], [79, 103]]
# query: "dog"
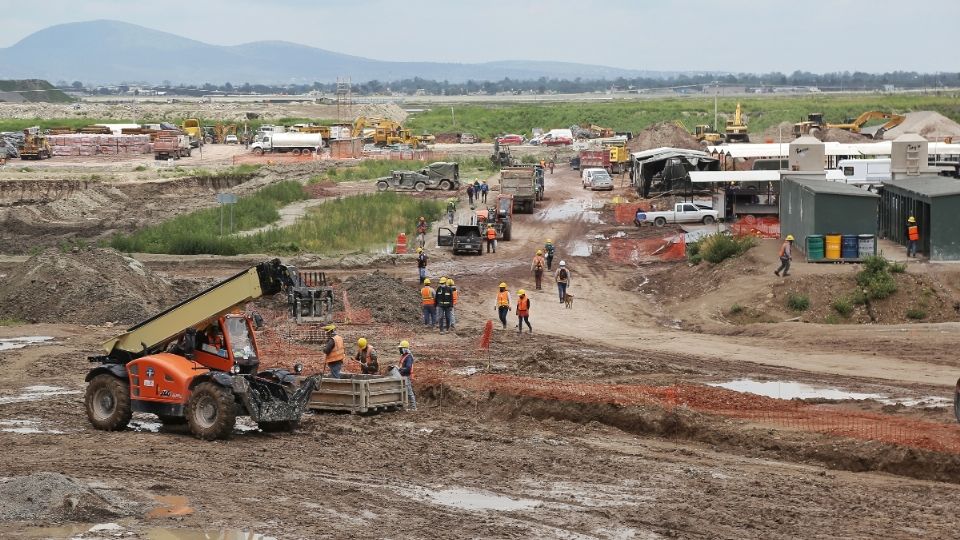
[[568, 300]]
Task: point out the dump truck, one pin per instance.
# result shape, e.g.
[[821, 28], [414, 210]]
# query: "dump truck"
[[35, 145], [294, 143], [439, 175], [171, 145], [193, 129], [525, 183], [196, 363]]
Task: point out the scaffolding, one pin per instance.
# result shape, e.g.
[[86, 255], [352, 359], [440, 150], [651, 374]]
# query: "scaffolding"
[[344, 100]]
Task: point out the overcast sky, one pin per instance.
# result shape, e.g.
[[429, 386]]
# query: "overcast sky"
[[716, 35]]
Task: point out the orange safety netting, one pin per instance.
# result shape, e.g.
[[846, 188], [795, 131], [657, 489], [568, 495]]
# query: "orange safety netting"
[[764, 227], [627, 250], [625, 213]]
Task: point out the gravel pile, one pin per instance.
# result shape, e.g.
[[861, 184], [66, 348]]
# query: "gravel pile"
[[388, 298], [50, 496]]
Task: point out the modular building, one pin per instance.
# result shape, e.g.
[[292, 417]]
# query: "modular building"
[[935, 203], [817, 207]]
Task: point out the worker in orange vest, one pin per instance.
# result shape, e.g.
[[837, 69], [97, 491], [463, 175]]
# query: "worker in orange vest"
[[334, 351], [491, 238], [538, 264], [367, 358], [913, 236], [503, 304], [786, 255], [429, 302], [523, 310]]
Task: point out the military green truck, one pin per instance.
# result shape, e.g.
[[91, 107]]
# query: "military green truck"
[[441, 175]]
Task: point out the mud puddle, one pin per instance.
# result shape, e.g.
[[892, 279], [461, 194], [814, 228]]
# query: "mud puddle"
[[36, 393], [115, 530], [470, 499], [149, 424], [572, 210], [9, 344], [26, 427], [796, 390]]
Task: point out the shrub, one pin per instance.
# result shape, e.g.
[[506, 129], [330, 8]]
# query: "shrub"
[[735, 309], [717, 248], [916, 314], [898, 267], [843, 306], [798, 302], [875, 278], [140, 168]]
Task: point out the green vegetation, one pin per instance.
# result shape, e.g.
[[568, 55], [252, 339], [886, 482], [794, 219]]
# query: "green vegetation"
[[10, 321], [843, 306], [199, 232], [372, 168], [35, 90], [876, 279], [140, 168], [916, 314], [487, 121], [898, 267], [798, 302], [735, 309], [717, 248]]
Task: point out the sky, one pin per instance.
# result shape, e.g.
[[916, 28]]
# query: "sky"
[[667, 35]]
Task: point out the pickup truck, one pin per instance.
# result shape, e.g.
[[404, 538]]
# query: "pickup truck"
[[681, 213], [467, 238]]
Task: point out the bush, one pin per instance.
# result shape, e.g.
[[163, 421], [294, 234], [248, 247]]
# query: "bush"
[[798, 302], [898, 267], [916, 314], [843, 306], [875, 278], [735, 309], [140, 168], [717, 248]]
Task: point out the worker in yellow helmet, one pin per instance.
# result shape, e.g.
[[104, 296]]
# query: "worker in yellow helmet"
[[913, 236], [786, 255], [334, 351], [367, 357], [523, 310], [548, 248], [538, 264], [406, 370], [503, 304]]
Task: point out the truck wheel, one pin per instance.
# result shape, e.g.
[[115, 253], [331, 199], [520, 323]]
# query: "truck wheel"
[[210, 412], [275, 427], [420, 186], [258, 151], [445, 185], [295, 151], [382, 186], [305, 152], [506, 233], [660, 222], [108, 402], [708, 220]]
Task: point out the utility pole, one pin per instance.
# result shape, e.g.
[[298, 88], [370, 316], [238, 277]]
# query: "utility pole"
[[716, 93]]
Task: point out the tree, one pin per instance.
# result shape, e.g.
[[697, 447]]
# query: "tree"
[[77, 85]]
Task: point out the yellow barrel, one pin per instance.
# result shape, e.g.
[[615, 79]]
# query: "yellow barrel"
[[832, 242]]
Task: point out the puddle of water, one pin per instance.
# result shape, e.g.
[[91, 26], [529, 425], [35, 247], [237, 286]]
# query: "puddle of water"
[[7, 344], [28, 427], [36, 393], [571, 210], [144, 425], [153, 533], [795, 390], [471, 499], [579, 248], [170, 505]]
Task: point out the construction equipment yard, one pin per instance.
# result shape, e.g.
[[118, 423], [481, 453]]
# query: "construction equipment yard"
[[665, 399]]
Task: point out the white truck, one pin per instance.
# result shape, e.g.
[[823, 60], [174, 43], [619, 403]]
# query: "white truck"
[[682, 213], [295, 143]]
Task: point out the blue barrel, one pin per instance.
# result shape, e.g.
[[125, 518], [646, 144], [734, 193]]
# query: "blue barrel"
[[814, 247], [868, 245], [849, 246]]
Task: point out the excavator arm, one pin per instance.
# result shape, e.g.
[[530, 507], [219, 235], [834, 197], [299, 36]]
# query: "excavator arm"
[[893, 120]]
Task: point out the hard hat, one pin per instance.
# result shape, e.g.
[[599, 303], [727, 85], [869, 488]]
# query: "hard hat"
[[443, 280], [503, 285], [912, 219], [404, 344], [539, 252], [449, 282], [489, 225], [330, 327], [790, 238], [563, 263], [426, 281], [521, 292], [419, 250], [549, 241], [362, 342]]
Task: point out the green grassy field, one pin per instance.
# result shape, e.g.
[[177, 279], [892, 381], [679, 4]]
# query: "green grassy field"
[[762, 112], [35, 90], [372, 169]]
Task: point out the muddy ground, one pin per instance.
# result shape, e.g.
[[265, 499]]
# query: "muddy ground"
[[540, 437]]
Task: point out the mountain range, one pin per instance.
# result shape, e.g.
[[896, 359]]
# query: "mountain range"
[[112, 52]]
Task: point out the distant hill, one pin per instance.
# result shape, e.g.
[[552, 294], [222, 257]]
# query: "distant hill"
[[35, 90], [111, 52]]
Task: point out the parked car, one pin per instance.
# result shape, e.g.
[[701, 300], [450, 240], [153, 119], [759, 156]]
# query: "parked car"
[[554, 140], [231, 139], [510, 139], [588, 173], [601, 182], [681, 213]]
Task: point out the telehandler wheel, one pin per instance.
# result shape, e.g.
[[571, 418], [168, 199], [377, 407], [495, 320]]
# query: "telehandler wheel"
[[108, 402], [210, 412], [275, 427]]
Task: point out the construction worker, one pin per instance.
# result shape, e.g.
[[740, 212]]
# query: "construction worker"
[[786, 255], [491, 238], [476, 187], [334, 351], [470, 194], [548, 247], [444, 304], [563, 280], [537, 266], [367, 357], [451, 210], [456, 300], [913, 236], [503, 304], [523, 310], [421, 264], [543, 163], [552, 164], [421, 232], [484, 188], [406, 370], [429, 302]]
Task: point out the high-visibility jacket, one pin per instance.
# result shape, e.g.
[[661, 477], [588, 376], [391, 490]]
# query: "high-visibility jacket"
[[336, 354], [491, 234], [366, 354], [406, 365], [523, 306], [456, 295], [913, 232], [429, 295], [503, 299]]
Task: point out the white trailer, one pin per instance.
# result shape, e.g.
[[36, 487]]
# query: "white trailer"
[[865, 171], [295, 143]]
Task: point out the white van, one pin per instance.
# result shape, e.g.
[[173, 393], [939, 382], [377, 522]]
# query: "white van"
[[586, 175], [865, 171]]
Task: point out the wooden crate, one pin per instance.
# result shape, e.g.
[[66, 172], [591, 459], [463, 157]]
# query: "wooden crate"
[[359, 394]]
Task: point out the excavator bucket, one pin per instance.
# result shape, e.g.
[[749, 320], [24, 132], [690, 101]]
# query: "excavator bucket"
[[268, 401]]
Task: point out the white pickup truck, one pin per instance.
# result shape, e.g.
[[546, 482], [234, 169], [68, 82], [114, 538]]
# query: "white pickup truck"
[[681, 213]]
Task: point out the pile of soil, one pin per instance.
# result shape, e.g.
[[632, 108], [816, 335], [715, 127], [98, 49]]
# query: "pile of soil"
[[677, 282], [388, 298], [773, 133], [92, 286], [663, 134], [47, 496], [932, 125], [842, 136]]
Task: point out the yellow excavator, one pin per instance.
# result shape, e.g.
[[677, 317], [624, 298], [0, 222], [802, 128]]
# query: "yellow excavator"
[[736, 130], [385, 132], [703, 133], [815, 123]]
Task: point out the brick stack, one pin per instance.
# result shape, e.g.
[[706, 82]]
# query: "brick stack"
[[99, 145]]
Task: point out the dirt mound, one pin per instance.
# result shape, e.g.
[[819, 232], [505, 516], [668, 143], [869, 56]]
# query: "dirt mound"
[[782, 132], [388, 298], [390, 111], [663, 134], [86, 287], [842, 136], [681, 281], [54, 497], [932, 125]]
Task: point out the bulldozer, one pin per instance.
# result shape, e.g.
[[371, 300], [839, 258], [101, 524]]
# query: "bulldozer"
[[196, 363], [705, 134], [814, 123], [35, 145], [736, 129]]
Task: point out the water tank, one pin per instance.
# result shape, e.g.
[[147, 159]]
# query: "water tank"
[[806, 154]]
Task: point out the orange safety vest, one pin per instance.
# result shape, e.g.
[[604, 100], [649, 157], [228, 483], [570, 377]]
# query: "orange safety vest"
[[428, 296], [491, 234], [523, 306], [503, 299], [456, 296], [364, 355], [337, 354], [913, 232]]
